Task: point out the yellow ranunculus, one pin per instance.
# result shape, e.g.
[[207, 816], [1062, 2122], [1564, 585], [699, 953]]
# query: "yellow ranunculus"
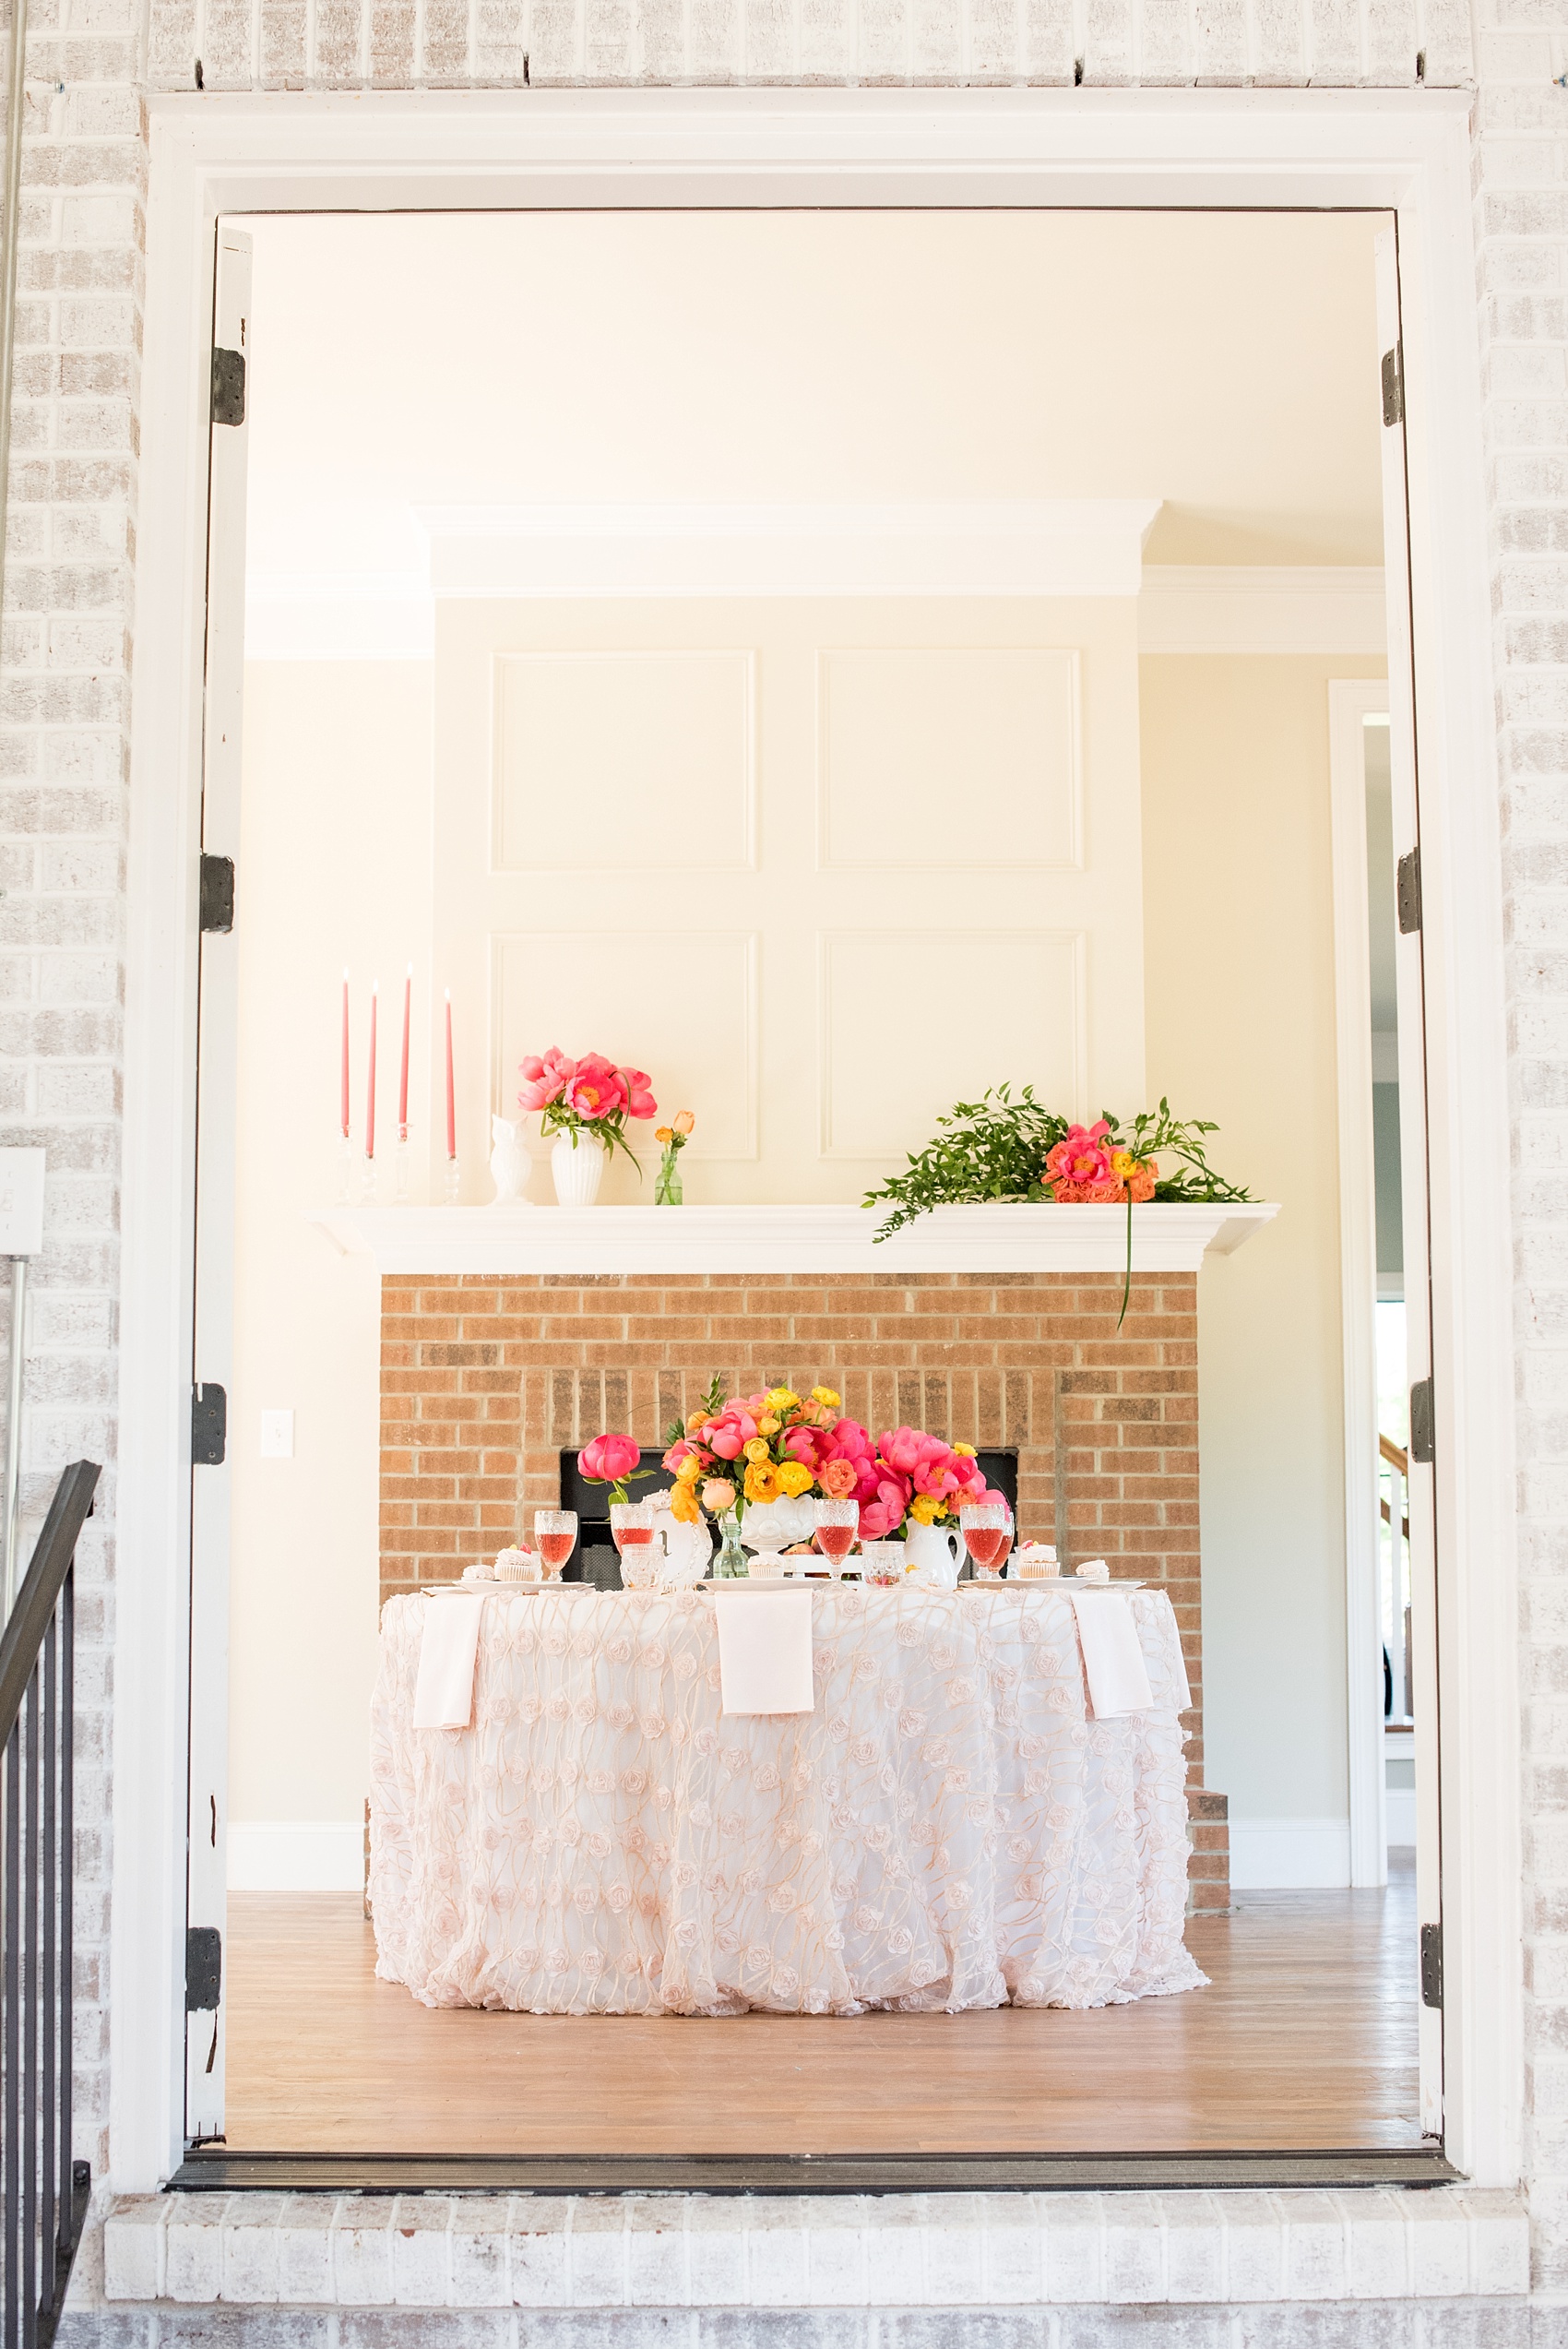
[[689, 1470], [826, 1395], [685, 1505], [757, 1449], [782, 1399], [762, 1483], [794, 1478], [965, 1451], [768, 1425], [925, 1508]]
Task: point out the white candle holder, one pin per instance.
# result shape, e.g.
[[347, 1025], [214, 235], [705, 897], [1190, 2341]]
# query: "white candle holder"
[[346, 1172], [452, 1184], [367, 1181]]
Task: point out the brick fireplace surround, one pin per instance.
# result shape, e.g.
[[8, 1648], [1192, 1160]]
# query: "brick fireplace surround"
[[485, 1379]]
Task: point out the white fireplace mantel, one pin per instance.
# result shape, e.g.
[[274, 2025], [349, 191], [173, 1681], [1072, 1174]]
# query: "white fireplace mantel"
[[1018, 1237]]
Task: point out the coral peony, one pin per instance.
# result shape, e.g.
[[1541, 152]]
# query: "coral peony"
[[595, 1089], [1082, 1157], [608, 1458], [544, 1080], [837, 1479], [730, 1433], [640, 1102]]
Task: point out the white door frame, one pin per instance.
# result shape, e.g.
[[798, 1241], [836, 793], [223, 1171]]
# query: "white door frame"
[[1404, 150], [1349, 702]]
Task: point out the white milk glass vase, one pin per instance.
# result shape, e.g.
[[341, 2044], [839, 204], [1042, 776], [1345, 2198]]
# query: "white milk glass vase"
[[578, 1163]]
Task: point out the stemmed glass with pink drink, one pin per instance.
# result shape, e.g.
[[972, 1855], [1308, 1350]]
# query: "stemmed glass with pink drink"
[[988, 1537], [837, 1525], [555, 1536]]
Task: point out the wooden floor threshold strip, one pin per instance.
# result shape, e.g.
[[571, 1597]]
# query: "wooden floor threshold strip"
[[214, 2169]]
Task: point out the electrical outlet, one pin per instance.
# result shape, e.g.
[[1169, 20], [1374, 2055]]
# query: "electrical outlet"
[[277, 1435]]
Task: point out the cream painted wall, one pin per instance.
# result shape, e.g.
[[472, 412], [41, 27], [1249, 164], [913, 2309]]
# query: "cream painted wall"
[[820, 866], [333, 869], [1240, 987]]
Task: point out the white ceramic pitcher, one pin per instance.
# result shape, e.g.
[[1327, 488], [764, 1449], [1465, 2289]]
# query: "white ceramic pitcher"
[[936, 1554]]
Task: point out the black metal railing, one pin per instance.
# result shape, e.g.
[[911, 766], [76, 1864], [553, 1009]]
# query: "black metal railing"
[[45, 2191]]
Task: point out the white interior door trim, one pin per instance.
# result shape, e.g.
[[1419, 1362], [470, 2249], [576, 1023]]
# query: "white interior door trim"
[[1350, 702], [1408, 150]]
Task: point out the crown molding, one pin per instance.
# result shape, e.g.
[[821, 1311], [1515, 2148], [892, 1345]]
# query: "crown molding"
[[1322, 608]]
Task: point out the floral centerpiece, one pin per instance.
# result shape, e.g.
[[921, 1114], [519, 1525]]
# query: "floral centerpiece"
[[584, 1103], [777, 1445]]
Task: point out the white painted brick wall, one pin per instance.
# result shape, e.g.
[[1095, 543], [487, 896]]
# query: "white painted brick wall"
[[65, 671]]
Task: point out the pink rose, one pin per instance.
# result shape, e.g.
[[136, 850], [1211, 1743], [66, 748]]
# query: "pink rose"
[[608, 1458], [837, 1479], [640, 1102], [594, 1089], [544, 1080]]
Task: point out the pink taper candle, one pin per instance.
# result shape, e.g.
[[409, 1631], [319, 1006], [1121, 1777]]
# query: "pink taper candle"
[[451, 1096], [403, 1077], [369, 1092], [345, 1055]]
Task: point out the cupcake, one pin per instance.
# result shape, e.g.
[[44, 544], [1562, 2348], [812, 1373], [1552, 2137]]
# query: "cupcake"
[[1033, 1561], [1094, 1570], [516, 1566]]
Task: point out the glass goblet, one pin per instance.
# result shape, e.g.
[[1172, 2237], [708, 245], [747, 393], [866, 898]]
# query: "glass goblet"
[[882, 1563], [984, 1527], [555, 1537], [837, 1523], [631, 1529]]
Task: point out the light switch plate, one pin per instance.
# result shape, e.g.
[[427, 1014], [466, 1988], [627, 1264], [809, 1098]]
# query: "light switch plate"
[[277, 1435]]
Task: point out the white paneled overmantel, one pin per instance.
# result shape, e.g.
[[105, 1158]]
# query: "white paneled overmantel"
[[1012, 1237]]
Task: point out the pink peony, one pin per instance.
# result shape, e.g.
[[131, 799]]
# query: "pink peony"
[[686, 1449], [1082, 1158], [730, 1433], [640, 1102], [608, 1458], [594, 1089], [809, 1446], [837, 1479], [544, 1080]]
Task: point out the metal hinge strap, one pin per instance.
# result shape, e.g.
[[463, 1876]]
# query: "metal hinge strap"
[[1431, 1965], [217, 893], [1423, 1431], [204, 1969], [209, 1426], [1407, 891], [1393, 385], [228, 387]]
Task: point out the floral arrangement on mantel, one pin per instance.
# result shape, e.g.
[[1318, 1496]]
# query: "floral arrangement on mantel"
[[584, 1103], [998, 1148]]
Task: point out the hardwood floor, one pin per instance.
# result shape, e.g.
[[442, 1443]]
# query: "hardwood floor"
[[1305, 2038]]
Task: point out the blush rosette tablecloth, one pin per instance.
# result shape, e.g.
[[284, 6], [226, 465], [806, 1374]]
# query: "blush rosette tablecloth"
[[949, 1828]]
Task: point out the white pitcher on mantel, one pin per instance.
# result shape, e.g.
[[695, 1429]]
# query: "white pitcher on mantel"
[[935, 1553]]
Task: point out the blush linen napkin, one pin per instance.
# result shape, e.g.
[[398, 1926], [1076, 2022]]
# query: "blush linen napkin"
[[764, 1652], [1113, 1655], [443, 1692]]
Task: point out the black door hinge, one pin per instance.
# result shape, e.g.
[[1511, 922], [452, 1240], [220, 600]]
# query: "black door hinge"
[[217, 893], [228, 387], [210, 1426], [204, 1969], [1423, 1432], [1407, 891], [1393, 385], [1431, 1965]]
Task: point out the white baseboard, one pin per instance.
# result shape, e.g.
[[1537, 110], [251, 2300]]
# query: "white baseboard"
[[1289, 1854], [1401, 1802], [296, 1856]]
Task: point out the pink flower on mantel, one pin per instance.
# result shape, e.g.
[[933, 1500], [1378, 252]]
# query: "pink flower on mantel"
[[594, 1089], [1081, 1160], [608, 1458], [545, 1080], [640, 1102]]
